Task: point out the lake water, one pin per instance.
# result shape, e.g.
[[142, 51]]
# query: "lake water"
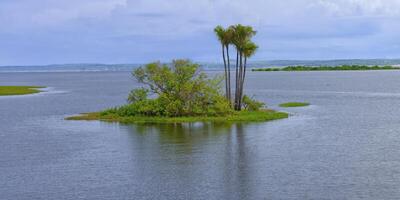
[[345, 146]]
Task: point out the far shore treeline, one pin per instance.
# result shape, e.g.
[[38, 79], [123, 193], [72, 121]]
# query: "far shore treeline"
[[328, 68]]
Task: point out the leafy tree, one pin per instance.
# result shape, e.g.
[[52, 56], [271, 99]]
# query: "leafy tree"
[[180, 89]]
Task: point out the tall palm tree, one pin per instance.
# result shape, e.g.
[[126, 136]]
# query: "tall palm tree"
[[249, 50], [224, 36], [229, 39], [241, 37]]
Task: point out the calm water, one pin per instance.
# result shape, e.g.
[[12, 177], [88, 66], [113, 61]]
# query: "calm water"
[[345, 146]]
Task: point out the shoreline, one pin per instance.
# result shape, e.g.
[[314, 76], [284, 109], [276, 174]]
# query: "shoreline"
[[327, 68], [242, 116]]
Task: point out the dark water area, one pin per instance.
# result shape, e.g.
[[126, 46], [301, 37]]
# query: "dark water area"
[[346, 145]]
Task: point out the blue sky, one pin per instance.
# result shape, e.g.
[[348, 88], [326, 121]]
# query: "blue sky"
[[137, 31]]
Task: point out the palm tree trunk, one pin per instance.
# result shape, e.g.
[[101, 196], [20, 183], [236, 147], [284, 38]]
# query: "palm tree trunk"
[[243, 78], [240, 82], [229, 75], [237, 78], [239, 106], [226, 74]]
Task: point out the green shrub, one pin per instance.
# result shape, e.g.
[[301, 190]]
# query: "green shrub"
[[251, 104], [138, 95], [180, 89]]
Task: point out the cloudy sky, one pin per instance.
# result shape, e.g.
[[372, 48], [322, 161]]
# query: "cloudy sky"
[[137, 31]]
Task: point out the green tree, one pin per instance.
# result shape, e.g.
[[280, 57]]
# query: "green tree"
[[249, 50], [180, 89], [225, 37], [241, 39]]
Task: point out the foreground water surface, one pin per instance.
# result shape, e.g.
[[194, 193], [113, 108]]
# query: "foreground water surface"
[[345, 146]]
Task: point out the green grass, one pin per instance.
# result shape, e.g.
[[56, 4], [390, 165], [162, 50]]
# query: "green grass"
[[329, 68], [294, 104], [242, 116], [19, 90]]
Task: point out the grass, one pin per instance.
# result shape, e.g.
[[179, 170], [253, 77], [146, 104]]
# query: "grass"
[[329, 68], [294, 104], [19, 90], [242, 116]]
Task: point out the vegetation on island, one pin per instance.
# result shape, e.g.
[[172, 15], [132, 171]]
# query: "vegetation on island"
[[19, 90], [329, 68], [236, 116], [181, 92], [294, 104]]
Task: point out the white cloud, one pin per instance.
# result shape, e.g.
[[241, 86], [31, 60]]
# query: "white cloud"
[[75, 10], [33, 13], [173, 17], [153, 29], [382, 8]]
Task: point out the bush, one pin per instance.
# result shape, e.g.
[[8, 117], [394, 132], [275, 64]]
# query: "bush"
[[180, 90], [250, 104], [138, 95]]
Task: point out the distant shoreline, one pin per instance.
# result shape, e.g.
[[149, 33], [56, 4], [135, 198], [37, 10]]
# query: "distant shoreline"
[[207, 66], [328, 68]]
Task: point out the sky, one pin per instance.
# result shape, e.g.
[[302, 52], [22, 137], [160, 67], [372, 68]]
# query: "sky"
[[36, 32]]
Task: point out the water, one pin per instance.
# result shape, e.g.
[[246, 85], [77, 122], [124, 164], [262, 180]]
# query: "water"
[[344, 146], [205, 65]]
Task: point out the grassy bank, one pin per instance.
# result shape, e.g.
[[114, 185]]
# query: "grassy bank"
[[19, 90], [329, 68], [294, 104], [243, 116]]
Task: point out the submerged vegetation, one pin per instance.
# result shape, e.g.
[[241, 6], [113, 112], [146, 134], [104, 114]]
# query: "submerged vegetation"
[[18, 90], [329, 68], [294, 104]]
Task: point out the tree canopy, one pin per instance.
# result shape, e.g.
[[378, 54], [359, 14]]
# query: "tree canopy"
[[181, 89]]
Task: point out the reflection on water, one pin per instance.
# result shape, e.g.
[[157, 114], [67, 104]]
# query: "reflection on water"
[[181, 152], [180, 133]]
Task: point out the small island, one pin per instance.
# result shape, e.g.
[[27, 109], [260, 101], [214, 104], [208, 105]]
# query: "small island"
[[243, 116], [327, 68], [19, 90], [180, 93], [294, 104]]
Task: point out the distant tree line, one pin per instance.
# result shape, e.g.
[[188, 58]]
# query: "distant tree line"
[[329, 68]]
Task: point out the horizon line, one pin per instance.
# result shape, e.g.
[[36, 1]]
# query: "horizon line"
[[200, 62]]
